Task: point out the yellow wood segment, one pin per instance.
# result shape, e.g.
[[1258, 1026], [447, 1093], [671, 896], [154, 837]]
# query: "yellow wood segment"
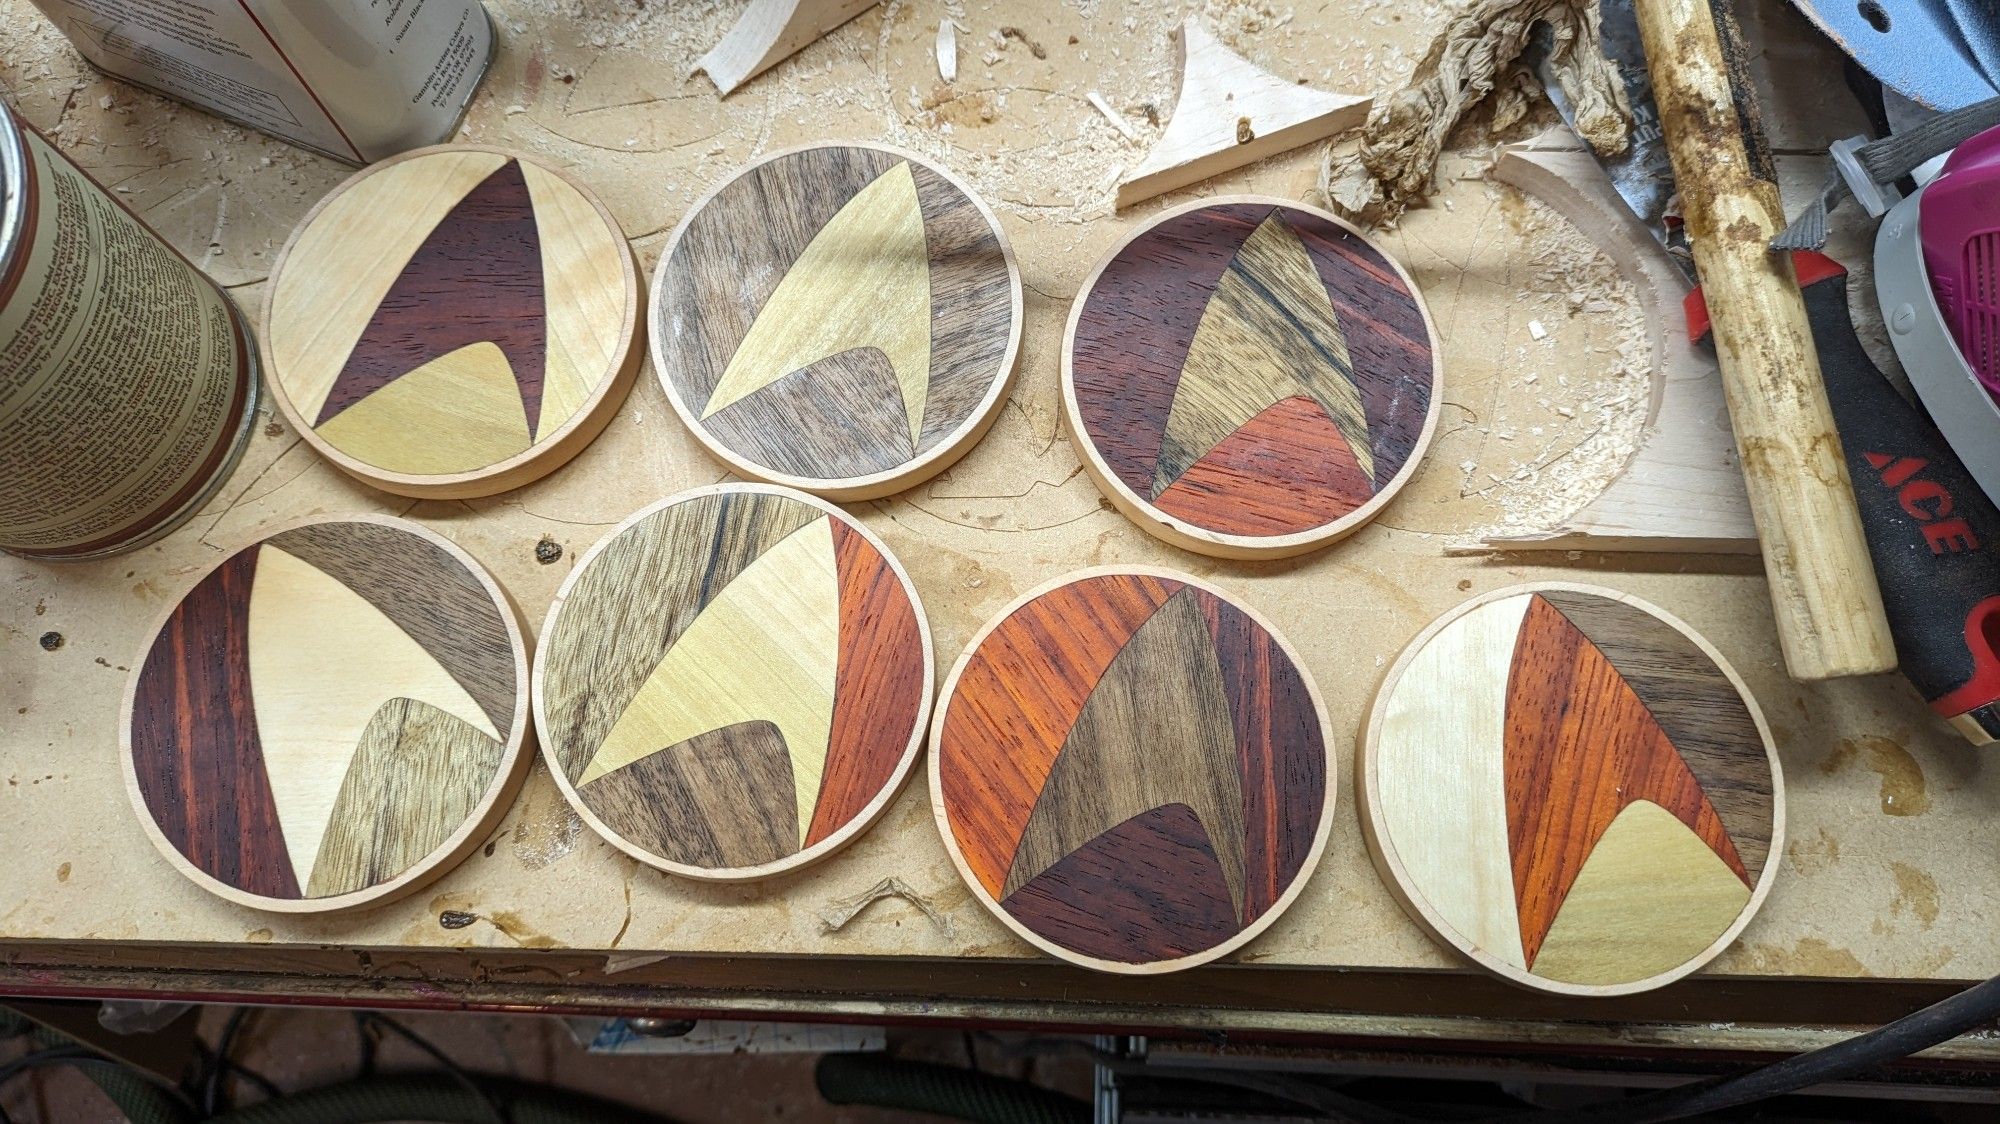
[[766, 648], [1651, 897], [863, 281], [584, 312], [317, 314], [1440, 776], [322, 662], [460, 412], [1269, 333]]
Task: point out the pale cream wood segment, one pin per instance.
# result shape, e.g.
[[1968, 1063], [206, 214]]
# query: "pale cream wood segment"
[[766, 648], [863, 281], [1651, 897], [1223, 97], [578, 253], [317, 315], [770, 31], [322, 662], [1442, 785], [1254, 347], [459, 412], [1683, 488]]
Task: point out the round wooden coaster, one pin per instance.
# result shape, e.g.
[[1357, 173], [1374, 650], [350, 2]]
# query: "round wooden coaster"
[[454, 321], [841, 319], [1572, 788], [1131, 771], [734, 683], [330, 718], [1250, 378]]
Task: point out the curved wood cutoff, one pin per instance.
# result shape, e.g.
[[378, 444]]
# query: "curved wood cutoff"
[[1132, 770], [1200, 342]]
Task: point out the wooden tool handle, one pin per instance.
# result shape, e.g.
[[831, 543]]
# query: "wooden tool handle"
[[1829, 611]]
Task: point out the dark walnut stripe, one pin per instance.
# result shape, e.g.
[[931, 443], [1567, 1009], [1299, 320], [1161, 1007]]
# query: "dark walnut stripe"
[[1155, 731], [1016, 701], [1280, 749], [427, 593], [840, 417], [735, 251], [636, 599], [195, 751], [477, 278], [1133, 335], [1285, 471], [1698, 707], [719, 799], [1580, 747], [878, 686], [1148, 889], [416, 778]]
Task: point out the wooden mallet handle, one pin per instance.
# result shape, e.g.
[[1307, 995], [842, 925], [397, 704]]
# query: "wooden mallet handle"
[[1829, 611]]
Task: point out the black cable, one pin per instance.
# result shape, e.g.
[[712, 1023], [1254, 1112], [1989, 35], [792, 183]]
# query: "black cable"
[[457, 1073], [84, 1059], [367, 1043], [211, 1086]]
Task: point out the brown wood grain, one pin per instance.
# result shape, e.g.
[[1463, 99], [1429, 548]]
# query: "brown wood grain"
[[1139, 319], [719, 799], [1700, 710], [477, 278], [878, 691], [732, 253], [1580, 746], [635, 599], [1016, 701], [1286, 470], [428, 594], [1147, 889], [1156, 730], [416, 778], [195, 752], [860, 426]]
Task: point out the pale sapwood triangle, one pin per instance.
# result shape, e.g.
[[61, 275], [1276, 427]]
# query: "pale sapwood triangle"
[[1651, 896], [767, 647], [863, 281], [1269, 333], [1156, 730], [322, 662], [460, 412], [1441, 779]]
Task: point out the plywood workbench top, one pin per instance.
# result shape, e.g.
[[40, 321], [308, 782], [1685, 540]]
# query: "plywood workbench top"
[[1891, 869]]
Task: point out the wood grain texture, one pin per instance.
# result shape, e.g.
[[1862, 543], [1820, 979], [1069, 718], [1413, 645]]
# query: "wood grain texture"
[[448, 320], [729, 621], [1131, 771], [414, 757], [1206, 319], [1505, 747], [294, 741], [1580, 746], [807, 258], [722, 798], [194, 745]]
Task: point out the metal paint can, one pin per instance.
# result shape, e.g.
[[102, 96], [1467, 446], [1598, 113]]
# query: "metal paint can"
[[128, 382], [357, 80]]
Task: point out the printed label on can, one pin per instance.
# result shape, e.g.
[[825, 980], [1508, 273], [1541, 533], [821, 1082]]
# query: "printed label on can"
[[123, 371], [358, 80]]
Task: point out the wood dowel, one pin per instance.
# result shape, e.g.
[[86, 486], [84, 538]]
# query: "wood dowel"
[[1823, 591]]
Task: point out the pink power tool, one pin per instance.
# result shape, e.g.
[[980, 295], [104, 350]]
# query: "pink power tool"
[[1961, 239]]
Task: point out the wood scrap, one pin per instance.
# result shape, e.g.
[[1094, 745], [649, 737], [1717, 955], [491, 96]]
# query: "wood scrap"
[[1232, 112], [1478, 55], [1116, 118], [1682, 491], [769, 32], [947, 50]]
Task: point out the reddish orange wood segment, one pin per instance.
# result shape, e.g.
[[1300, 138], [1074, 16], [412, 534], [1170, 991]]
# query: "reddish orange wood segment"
[[1287, 470], [875, 701], [1580, 747], [1023, 690]]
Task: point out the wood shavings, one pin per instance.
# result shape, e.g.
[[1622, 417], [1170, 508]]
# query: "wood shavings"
[[841, 911], [947, 50], [1116, 118]]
